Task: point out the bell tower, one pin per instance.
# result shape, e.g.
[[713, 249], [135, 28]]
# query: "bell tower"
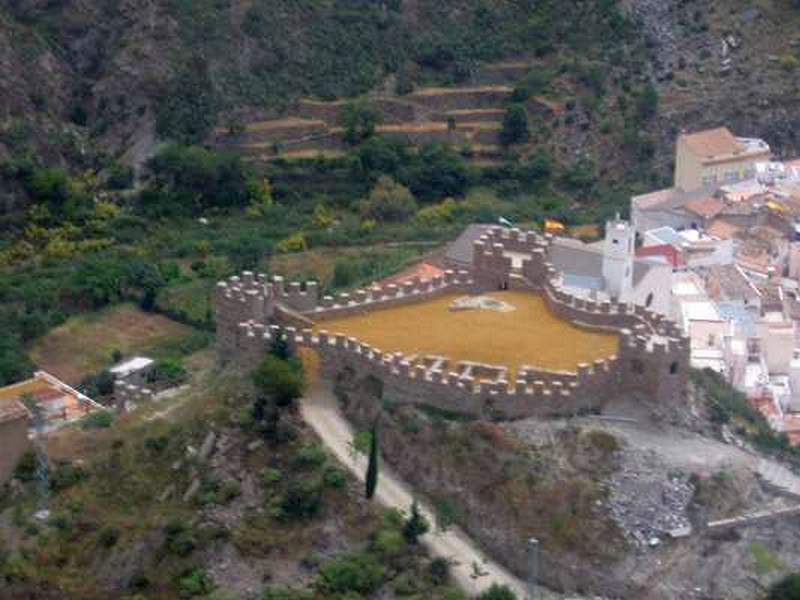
[[618, 252]]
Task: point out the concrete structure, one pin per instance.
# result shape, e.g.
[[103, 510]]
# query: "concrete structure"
[[13, 436], [716, 156], [651, 364], [133, 370]]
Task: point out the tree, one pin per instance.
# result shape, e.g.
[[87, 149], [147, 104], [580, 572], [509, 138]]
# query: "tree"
[[147, 278], [435, 172], [279, 382], [416, 525], [359, 120], [14, 363], [372, 468], [389, 201], [647, 104], [515, 126]]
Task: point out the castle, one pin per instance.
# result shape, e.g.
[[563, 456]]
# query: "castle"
[[651, 364]]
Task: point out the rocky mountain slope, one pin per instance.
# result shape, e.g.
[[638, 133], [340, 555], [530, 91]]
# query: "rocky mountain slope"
[[83, 79]]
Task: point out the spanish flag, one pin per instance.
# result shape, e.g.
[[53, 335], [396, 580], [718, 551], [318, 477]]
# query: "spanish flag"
[[553, 226]]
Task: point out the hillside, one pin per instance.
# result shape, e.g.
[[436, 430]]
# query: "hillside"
[[83, 80]]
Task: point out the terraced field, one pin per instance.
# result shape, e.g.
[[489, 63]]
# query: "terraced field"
[[465, 116]]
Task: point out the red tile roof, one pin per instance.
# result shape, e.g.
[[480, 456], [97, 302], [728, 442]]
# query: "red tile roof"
[[712, 142], [707, 207], [671, 253]]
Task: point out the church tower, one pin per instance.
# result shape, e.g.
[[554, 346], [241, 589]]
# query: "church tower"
[[618, 253]]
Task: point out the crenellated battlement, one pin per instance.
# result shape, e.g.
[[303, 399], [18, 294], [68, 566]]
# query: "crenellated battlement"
[[651, 362], [297, 296], [377, 297]]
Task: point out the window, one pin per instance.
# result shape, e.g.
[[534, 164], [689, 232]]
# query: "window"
[[649, 300], [711, 339], [637, 366], [673, 368]]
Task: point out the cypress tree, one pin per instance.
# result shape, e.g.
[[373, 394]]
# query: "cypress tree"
[[372, 468]]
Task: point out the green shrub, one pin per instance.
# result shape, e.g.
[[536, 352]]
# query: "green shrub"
[[389, 201], [271, 476], [195, 583], [416, 525], [168, 371], [99, 419], [334, 478], [179, 539], [515, 126], [156, 444], [359, 573], [65, 475], [787, 588], [497, 592], [389, 544], [302, 499], [439, 570], [310, 457]]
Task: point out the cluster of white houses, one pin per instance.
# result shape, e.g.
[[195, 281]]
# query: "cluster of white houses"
[[728, 229], [718, 253]]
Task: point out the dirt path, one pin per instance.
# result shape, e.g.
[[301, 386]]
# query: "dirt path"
[[320, 410]]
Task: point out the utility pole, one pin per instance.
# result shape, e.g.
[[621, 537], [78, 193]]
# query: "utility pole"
[[40, 450], [533, 567]]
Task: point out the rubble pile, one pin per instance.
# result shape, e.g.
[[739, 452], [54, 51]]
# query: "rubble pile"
[[649, 505]]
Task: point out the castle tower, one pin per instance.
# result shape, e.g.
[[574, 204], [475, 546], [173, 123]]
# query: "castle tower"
[[618, 252]]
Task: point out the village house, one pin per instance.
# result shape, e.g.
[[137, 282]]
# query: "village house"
[[59, 403], [715, 156], [14, 439]]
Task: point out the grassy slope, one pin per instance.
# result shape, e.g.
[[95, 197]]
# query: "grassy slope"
[[84, 344], [128, 467]]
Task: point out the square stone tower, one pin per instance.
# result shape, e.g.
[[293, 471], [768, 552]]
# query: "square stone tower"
[[618, 253]]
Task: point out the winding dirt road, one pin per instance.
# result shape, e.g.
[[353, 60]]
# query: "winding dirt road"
[[470, 569]]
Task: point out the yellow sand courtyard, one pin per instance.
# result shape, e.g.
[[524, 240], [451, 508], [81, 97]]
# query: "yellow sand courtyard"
[[528, 335]]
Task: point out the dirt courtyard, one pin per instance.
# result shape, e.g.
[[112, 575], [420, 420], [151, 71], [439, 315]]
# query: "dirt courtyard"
[[529, 335]]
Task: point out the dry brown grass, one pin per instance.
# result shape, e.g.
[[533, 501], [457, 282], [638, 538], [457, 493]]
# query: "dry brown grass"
[[84, 344], [529, 335], [440, 91], [287, 123]]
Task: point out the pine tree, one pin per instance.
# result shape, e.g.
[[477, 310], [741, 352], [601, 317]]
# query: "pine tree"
[[372, 468]]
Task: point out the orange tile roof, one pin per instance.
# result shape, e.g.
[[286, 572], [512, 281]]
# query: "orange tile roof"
[[422, 270], [653, 198], [723, 229], [707, 207], [712, 142], [57, 400]]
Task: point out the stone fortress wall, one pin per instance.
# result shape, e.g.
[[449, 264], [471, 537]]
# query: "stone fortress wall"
[[652, 360]]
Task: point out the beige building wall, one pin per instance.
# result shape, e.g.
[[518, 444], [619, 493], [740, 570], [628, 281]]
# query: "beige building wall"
[[794, 261], [688, 167], [693, 171], [14, 443]]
